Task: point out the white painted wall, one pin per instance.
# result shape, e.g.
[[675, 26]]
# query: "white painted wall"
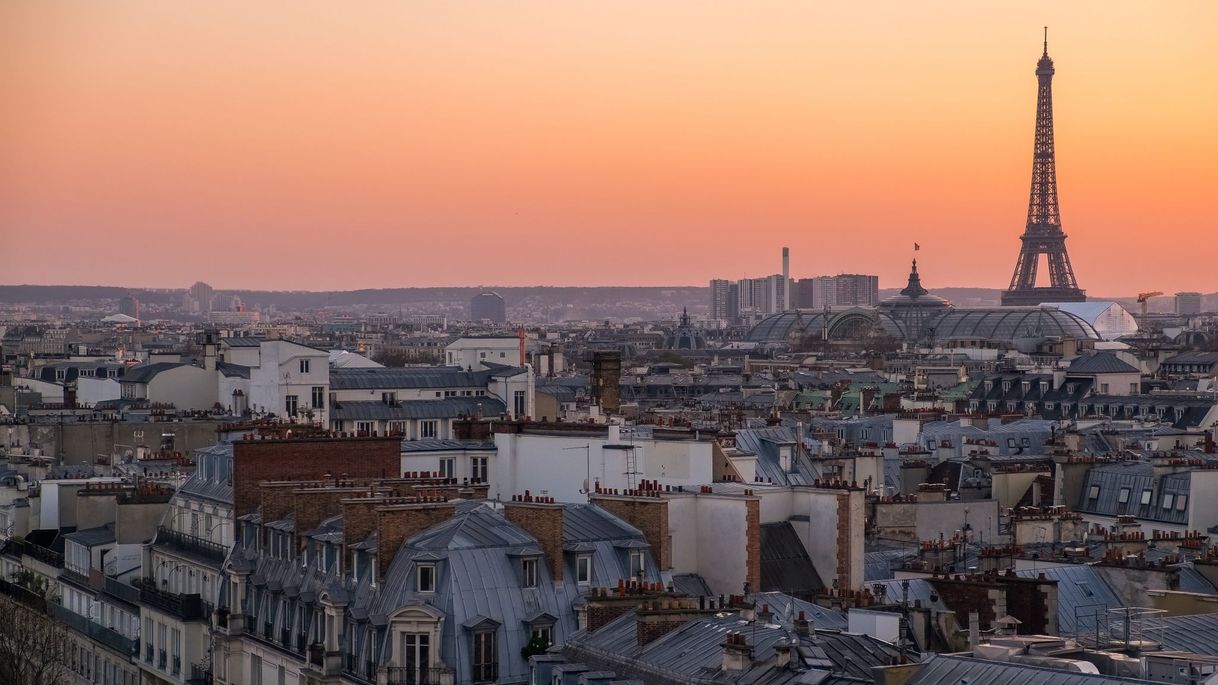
[[279, 374], [185, 387], [93, 390], [469, 353], [558, 465]]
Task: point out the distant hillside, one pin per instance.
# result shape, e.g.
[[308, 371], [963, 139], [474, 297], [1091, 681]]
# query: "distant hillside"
[[963, 297]]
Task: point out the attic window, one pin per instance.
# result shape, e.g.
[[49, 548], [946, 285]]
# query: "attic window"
[[1181, 502], [425, 578], [1093, 492], [1123, 496], [528, 573], [1168, 500], [637, 566], [1146, 497], [583, 569]]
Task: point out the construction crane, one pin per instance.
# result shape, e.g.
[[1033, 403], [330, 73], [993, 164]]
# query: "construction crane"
[[1144, 298]]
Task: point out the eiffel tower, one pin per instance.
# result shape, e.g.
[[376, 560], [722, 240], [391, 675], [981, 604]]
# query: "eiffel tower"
[[1043, 235]]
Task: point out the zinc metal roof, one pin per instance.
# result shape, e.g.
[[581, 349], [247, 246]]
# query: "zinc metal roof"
[[1081, 593], [1196, 633], [1100, 362], [940, 669], [446, 408], [389, 378]]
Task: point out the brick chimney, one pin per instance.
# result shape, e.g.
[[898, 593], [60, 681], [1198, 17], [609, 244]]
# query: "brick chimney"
[[313, 505], [359, 521], [397, 523], [737, 653], [647, 513], [932, 492], [660, 617], [542, 518]]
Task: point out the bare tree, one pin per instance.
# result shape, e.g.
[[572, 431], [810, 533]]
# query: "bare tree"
[[34, 647]]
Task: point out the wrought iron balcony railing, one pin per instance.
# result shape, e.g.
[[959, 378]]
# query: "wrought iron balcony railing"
[[189, 543], [187, 607], [419, 675]]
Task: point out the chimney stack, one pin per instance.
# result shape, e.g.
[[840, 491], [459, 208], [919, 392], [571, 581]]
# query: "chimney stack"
[[786, 279]]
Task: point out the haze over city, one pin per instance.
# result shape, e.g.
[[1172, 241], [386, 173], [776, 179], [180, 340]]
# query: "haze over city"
[[146, 144]]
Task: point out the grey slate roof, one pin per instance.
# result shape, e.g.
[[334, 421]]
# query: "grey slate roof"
[[218, 487], [388, 378], [446, 408], [91, 537], [447, 445], [785, 564], [1191, 633], [1110, 479], [764, 442], [940, 669], [146, 372], [693, 652], [784, 607], [233, 370], [1100, 362], [1081, 593]]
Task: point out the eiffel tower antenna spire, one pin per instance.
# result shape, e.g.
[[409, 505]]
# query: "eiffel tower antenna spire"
[[1043, 236]]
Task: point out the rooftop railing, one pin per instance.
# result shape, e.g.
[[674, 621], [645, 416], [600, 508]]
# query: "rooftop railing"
[[189, 543], [82, 624], [187, 607]]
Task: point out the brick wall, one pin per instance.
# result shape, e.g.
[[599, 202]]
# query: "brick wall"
[[255, 461], [275, 500], [752, 518], [654, 622], [843, 542], [396, 523], [1034, 603], [316, 504], [544, 522], [969, 594], [649, 515], [359, 521]]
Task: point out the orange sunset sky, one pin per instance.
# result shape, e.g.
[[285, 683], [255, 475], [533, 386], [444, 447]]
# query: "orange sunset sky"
[[340, 145]]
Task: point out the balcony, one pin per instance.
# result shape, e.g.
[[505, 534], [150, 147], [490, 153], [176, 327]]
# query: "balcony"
[[46, 556], [415, 675], [162, 659], [188, 543], [185, 607], [117, 588], [23, 595], [199, 675], [82, 624]]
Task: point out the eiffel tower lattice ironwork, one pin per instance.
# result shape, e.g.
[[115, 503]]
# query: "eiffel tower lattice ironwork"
[[1043, 235]]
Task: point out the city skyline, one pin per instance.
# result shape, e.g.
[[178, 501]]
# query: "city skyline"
[[137, 127]]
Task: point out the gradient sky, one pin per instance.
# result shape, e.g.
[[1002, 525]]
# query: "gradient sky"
[[308, 145]]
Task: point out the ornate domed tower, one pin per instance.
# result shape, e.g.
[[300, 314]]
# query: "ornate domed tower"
[[914, 308]]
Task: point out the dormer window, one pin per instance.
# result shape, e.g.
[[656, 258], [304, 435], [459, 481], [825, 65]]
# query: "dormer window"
[[1006, 386], [989, 385], [528, 572], [637, 567], [425, 578], [583, 569]]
